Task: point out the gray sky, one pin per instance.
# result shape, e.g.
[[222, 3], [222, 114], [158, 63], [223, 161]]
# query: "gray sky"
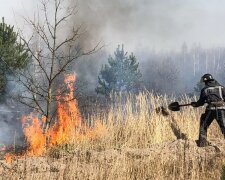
[[11, 9], [159, 24]]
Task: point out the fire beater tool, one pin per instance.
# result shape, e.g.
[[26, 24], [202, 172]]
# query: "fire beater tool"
[[175, 106]]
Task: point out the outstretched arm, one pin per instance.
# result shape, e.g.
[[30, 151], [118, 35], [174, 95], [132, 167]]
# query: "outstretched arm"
[[201, 100]]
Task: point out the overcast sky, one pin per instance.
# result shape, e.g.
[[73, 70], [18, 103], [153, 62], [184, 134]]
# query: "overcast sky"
[[11, 8], [159, 24]]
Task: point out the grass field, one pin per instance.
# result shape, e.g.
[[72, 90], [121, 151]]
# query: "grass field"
[[129, 141]]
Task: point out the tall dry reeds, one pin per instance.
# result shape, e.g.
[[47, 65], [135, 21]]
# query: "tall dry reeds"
[[131, 141], [132, 122]]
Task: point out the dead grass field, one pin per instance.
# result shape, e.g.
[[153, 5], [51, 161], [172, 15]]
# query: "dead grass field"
[[132, 142]]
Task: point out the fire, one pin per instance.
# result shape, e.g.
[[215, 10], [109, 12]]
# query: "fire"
[[34, 134], [9, 157], [68, 115], [68, 125]]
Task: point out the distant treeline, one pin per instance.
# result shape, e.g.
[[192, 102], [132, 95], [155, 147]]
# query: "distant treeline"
[[174, 72]]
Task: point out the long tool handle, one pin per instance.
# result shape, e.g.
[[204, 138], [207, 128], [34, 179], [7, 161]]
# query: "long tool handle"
[[184, 104]]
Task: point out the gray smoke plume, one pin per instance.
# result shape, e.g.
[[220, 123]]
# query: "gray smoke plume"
[[140, 24], [146, 28], [153, 23], [154, 31]]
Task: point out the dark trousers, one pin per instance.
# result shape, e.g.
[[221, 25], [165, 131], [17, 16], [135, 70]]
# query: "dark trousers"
[[206, 120]]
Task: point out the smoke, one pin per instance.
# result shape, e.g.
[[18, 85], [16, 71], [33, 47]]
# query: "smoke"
[[11, 130], [144, 27], [153, 30], [153, 23], [140, 24]]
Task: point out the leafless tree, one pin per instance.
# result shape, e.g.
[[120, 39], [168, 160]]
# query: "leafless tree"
[[54, 46]]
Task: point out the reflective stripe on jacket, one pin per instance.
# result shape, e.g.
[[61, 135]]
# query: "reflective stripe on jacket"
[[213, 94]]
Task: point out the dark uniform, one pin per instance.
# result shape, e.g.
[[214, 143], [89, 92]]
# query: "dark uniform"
[[213, 94]]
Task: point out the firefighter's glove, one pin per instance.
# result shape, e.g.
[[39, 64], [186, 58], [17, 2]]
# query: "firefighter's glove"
[[194, 104]]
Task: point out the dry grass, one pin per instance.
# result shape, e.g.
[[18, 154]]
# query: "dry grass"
[[134, 143], [134, 123]]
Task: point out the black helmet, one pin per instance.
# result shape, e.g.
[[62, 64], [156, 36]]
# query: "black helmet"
[[207, 77]]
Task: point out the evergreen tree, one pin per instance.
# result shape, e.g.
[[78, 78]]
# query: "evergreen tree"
[[13, 54], [120, 74]]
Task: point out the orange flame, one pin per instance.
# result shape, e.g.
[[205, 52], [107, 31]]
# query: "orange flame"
[[68, 115], [34, 134], [9, 157], [69, 125]]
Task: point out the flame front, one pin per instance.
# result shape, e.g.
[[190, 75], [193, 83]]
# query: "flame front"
[[68, 115], [9, 157], [34, 134], [69, 124]]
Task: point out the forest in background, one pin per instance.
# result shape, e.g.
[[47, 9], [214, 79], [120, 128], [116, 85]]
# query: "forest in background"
[[175, 72]]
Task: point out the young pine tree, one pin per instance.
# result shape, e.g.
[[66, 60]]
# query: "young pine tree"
[[13, 54], [120, 74]]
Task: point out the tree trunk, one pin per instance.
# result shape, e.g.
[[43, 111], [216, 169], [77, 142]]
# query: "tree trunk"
[[48, 115]]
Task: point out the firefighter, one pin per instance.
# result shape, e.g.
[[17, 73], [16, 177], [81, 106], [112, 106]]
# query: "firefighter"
[[213, 94]]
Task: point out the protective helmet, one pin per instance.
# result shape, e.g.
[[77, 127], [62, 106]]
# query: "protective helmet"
[[207, 77]]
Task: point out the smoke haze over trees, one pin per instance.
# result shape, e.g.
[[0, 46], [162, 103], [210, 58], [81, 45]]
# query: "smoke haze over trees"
[[152, 30], [170, 72], [155, 31], [154, 23]]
